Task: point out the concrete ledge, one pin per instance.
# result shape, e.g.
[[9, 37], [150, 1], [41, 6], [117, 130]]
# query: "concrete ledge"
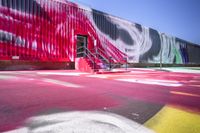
[[12, 65], [163, 65]]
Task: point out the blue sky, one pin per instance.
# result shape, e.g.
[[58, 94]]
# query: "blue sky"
[[180, 18]]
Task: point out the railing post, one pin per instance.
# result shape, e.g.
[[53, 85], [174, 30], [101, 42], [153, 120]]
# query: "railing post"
[[161, 59], [126, 61], [94, 66], [110, 64], [161, 50]]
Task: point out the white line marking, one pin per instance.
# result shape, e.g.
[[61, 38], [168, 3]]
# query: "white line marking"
[[184, 94], [98, 76], [153, 82], [61, 73], [7, 77], [58, 82]]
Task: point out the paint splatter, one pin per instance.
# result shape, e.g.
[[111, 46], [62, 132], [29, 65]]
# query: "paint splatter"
[[82, 122]]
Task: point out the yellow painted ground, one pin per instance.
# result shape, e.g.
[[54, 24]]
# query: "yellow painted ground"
[[172, 120]]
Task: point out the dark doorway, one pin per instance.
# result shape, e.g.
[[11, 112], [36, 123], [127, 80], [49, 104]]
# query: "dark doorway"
[[81, 46]]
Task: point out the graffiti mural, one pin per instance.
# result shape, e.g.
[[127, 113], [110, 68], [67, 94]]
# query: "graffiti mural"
[[42, 30], [142, 44]]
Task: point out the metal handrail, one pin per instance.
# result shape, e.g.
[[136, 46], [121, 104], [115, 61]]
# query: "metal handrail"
[[111, 65], [98, 53], [92, 57], [104, 58], [88, 53]]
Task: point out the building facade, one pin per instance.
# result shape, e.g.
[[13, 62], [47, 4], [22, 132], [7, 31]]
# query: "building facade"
[[39, 31]]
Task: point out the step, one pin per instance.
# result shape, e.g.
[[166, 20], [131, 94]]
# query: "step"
[[103, 71]]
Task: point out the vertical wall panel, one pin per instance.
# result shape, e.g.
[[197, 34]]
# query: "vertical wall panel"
[[1, 34], [19, 31], [64, 30], [80, 16], [4, 2], [16, 31], [8, 20], [56, 35], [40, 17], [70, 31], [34, 36], [83, 22], [30, 34], [44, 29], [10, 5], [68, 8], [26, 29], [53, 35], [50, 27], [47, 32], [61, 32], [75, 19], [17, 42], [23, 32]]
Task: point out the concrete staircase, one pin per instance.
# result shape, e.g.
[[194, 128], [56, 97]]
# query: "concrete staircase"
[[86, 65]]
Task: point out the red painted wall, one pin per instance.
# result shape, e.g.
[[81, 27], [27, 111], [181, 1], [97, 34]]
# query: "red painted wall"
[[44, 31]]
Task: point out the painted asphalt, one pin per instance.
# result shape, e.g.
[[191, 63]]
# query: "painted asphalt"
[[152, 100]]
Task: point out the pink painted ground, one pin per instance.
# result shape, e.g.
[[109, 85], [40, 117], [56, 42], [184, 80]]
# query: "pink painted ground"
[[137, 95]]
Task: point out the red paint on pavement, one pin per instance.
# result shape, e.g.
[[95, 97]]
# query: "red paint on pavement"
[[25, 94]]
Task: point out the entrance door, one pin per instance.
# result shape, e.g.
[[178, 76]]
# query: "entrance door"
[[81, 46]]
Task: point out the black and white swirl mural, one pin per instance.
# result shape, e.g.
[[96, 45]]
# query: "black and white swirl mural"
[[142, 44]]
